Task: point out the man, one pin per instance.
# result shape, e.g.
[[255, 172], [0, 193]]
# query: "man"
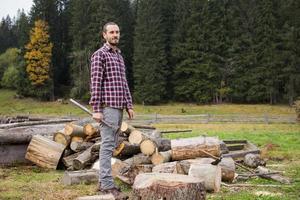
[[109, 96]]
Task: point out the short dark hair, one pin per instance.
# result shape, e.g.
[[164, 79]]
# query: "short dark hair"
[[104, 29]]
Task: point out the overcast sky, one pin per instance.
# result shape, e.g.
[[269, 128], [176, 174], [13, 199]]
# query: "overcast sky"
[[10, 7]]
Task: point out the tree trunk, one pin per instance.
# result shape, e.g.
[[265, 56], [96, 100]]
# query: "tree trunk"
[[138, 159], [40, 148], [68, 160], [134, 171], [84, 159], [136, 137], [188, 148], [79, 177], [153, 186], [211, 174], [126, 149], [91, 129], [126, 128], [149, 145]]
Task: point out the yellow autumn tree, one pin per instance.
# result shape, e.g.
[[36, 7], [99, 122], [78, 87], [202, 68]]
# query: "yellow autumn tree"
[[38, 54]]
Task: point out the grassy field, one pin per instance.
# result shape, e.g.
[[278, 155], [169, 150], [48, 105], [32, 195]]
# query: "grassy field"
[[280, 145]]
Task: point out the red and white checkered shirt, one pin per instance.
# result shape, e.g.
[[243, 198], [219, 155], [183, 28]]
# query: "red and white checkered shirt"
[[109, 86]]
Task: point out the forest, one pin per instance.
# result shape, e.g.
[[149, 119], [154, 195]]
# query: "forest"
[[193, 51]]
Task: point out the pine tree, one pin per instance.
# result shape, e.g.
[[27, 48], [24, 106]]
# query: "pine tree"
[[38, 58], [150, 57]]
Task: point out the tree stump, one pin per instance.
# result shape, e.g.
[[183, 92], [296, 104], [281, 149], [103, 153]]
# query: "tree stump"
[[153, 186]]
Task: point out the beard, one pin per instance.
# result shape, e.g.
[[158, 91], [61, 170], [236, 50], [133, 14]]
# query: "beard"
[[114, 41]]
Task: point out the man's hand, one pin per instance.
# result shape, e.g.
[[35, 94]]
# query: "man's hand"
[[130, 113], [98, 117]]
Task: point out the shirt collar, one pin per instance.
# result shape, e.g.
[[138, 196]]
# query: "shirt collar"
[[109, 48]]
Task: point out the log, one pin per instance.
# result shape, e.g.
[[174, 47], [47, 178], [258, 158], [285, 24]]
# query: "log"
[[275, 177], [79, 177], [77, 139], [138, 159], [169, 167], [161, 157], [126, 128], [51, 121], [126, 149], [152, 186], [74, 130], [44, 152], [118, 167], [97, 197], [84, 159], [91, 129], [23, 135], [80, 146], [210, 174], [188, 148], [62, 138], [227, 166], [129, 176], [149, 145], [143, 126], [136, 137], [177, 131], [68, 160]]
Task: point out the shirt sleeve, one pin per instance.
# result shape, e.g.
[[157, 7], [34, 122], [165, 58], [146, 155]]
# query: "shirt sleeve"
[[97, 69], [128, 97]]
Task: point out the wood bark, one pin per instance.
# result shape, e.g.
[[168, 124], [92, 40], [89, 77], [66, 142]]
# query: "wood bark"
[[153, 186], [169, 167], [211, 174], [77, 139], [79, 177], [126, 149], [68, 160], [138, 159], [161, 157], [253, 160], [40, 148], [62, 138], [188, 148], [133, 171], [80, 146], [84, 159]]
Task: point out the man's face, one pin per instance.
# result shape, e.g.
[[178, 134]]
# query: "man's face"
[[112, 35]]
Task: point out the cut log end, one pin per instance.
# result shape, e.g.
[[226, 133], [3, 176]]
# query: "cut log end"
[[148, 147]]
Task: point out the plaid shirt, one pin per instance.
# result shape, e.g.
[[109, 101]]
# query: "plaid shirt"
[[108, 80]]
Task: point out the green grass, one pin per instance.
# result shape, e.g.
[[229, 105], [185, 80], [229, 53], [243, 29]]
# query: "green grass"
[[280, 145], [11, 106]]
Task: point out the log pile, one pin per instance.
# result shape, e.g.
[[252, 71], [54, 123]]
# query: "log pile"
[[142, 150]]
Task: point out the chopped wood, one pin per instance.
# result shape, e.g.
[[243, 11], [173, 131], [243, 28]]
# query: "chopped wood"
[[210, 174], [78, 146], [40, 148], [126, 149], [161, 157], [91, 129], [136, 137], [62, 138], [188, 148], [84, 159], [77, 139], [149, 145], [74, 130], [129, 176], [164, 186], [79, 177], [126, 128], [68, 160], [138, 159]]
